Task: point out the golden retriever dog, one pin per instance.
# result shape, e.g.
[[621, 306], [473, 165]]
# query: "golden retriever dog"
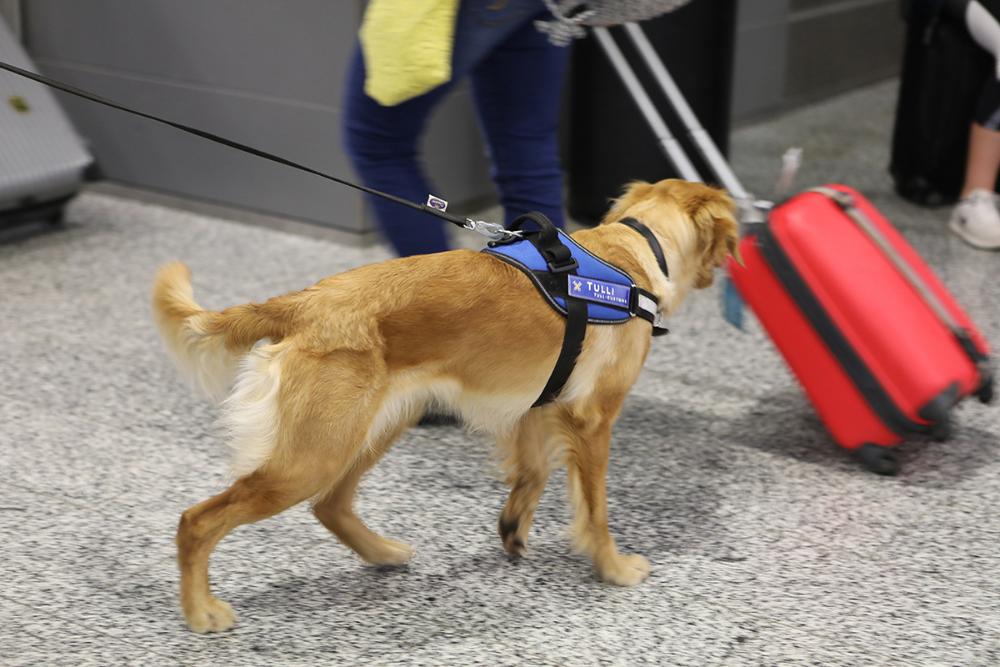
[[315, 386]]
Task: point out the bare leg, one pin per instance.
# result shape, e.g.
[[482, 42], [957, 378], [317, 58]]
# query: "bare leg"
[[984, 160], [528, 466], [587, 461]]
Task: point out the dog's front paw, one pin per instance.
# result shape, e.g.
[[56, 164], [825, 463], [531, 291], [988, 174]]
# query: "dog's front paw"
[[513, 536], [212, 616], [624, 570], [390, 553], [514, 546]]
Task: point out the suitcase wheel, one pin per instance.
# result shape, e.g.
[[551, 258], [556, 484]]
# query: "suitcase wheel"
[[941, 430], [57, 217], [985, 393], [938, 413], [880, 460]]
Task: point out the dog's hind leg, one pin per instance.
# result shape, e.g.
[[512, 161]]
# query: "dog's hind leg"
[[323, 412], [527, 466], [335, 511], [251, 498], [588, 432]]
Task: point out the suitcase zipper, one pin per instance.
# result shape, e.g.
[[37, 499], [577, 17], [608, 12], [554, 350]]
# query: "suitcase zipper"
[[962, 335]]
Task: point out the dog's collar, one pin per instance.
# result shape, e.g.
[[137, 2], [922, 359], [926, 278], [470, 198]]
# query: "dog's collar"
[[651, 239]]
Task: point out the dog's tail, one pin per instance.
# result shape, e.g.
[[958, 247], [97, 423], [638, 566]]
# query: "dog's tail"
[[207, 345]]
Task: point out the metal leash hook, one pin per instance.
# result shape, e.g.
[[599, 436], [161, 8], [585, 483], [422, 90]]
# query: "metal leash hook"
[[491, 230]]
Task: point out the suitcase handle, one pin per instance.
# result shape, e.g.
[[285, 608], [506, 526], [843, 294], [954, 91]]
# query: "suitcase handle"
[[668, 142], [847, 204], [751, 211], [698, 134]]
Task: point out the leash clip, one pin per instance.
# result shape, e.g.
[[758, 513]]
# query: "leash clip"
[[491, 230]]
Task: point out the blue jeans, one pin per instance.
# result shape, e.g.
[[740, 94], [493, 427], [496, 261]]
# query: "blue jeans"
[[516, 77]]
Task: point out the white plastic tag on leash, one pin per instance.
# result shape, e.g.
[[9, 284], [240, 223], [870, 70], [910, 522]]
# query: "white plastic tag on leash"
[[437, 203]]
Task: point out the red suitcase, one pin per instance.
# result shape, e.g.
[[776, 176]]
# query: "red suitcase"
[[875, 339], [878, 343]]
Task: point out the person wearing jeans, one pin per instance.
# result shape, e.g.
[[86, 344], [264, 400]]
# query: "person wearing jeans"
[[516, 76]]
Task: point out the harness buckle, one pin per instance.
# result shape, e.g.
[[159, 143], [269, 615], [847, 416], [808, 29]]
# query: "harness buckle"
[[491, 230], [564, 266]]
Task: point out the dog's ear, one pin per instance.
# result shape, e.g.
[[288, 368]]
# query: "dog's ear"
[[714, 216], [635, 191]]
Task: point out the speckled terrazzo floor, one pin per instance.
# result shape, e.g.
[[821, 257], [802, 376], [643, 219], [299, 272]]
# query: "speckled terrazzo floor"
[[769, 546]]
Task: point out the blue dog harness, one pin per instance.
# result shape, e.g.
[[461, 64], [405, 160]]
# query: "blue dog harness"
[[579, 286]]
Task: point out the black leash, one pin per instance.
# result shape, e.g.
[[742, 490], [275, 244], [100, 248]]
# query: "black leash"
[[434, 206], [546, 239]]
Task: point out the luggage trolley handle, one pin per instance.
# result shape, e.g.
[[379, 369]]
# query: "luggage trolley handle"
[[846, 203], [751, 211], [675, 153]]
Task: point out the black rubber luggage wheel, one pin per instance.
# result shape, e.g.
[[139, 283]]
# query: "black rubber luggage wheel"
[[880, 460], [941, 430], [985, 393]]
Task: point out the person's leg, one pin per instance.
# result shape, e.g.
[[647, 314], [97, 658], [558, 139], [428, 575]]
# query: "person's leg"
[[976, 218], [382, 143], [984, 141], [984, 159], [517, 91]]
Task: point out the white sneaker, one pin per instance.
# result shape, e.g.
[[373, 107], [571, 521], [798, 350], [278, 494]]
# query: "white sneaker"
[[977, 221]]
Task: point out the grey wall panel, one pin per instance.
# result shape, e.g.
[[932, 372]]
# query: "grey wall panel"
[[271, 73], [139, 152], [798, 5], [267, 73], [842, 45], [752, 12], [10, 13], [289, 50], [792, 51]]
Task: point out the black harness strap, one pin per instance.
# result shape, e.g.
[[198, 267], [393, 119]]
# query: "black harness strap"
[[560, 261], [572, 345]]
